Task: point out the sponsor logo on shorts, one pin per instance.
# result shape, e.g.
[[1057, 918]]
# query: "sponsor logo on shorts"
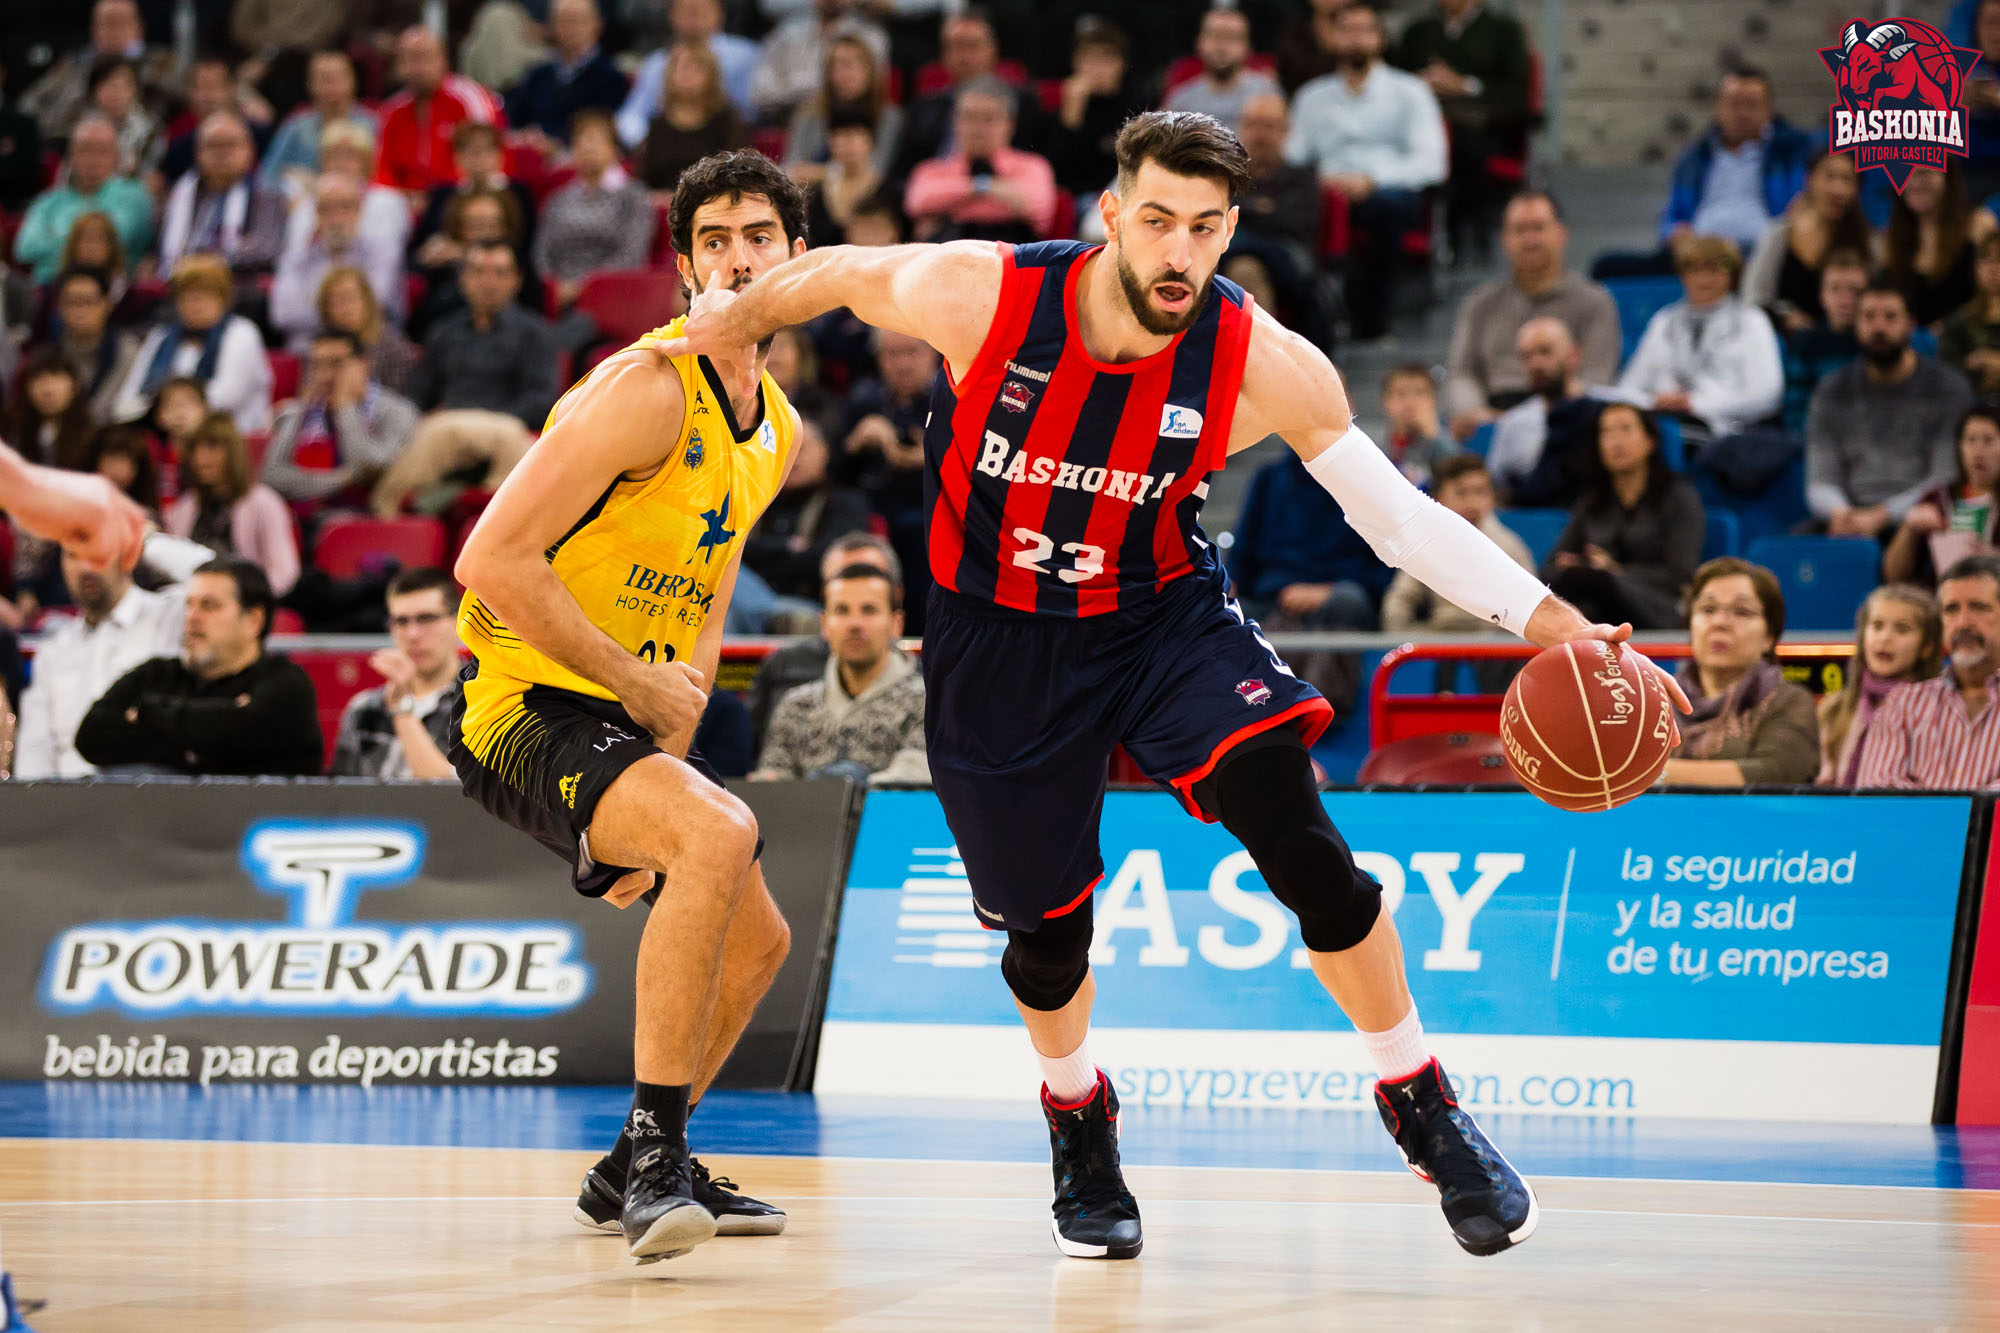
[[990, 916], [1180, 423], [567, 786], [1254, 691]]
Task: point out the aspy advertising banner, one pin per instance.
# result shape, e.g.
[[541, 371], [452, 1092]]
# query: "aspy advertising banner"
[[345, 933], [1745, 956]]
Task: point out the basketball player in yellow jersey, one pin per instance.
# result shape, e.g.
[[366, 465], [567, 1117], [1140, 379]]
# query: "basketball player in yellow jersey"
[[596, 585]]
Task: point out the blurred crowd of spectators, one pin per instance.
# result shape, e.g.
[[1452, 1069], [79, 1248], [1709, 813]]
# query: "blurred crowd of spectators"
[[309, 263]]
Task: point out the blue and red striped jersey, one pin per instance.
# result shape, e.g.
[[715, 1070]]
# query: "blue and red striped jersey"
[[1061, 485]]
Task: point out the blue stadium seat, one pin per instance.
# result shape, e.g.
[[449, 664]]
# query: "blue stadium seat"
[[1638, 300], [1481, 441], [1824, 578], [1725, 535], [1773, 513], [1538, 528], [1673, 444]]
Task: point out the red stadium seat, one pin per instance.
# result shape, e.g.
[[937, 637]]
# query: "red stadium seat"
[[1063, 224], [257, 445], [284, 376], [626, 303], [662, 255], [287, 621], [1456, 757], [336, 678], [349, 547], [770, 141]]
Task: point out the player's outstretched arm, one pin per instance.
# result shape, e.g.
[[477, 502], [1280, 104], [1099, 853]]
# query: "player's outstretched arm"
[[943, 294], [1290, 389], [83, 513], [612, 428]]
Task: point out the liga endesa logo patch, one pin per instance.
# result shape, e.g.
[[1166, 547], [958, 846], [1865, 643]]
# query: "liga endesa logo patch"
[[1899, 86]]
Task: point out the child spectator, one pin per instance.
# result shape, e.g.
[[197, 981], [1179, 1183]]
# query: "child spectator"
[[1898, 636], [1461, 484], [1415, 442], [177, 411]]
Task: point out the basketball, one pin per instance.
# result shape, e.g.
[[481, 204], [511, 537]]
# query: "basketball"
[[1587, 725]]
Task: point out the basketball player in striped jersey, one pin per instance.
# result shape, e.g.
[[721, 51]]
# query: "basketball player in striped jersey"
[[596, 585], [1086, 394]]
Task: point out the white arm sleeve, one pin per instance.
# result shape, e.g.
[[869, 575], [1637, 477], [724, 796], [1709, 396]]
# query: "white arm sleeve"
[[1411, 531]]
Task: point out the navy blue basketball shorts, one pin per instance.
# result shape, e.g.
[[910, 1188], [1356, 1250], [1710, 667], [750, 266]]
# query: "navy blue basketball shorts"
[[1022, 713]]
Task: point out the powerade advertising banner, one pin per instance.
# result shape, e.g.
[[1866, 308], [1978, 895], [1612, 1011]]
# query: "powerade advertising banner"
[[346, 933], [1736, 956]]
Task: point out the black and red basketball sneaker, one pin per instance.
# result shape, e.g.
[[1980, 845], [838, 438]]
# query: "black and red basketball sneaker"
[[1095, 1216], [660, 1216], [602, 1199], [1490, 1208]]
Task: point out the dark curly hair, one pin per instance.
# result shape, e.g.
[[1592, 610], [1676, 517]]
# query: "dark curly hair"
[[735, 174]]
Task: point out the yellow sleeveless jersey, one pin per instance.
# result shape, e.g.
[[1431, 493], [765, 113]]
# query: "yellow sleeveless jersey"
[[644, 560]]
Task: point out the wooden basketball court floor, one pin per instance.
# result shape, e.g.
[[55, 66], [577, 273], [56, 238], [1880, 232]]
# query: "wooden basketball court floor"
[[158, 1208]]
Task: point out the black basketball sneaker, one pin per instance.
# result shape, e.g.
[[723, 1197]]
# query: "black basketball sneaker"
[[1490, 1208], [602, 1199], [1095, 1217], [660, 1217]]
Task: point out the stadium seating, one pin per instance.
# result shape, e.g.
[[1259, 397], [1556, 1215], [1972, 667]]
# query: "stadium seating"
[[1453, 757], [1481, 442], [1824, 578], [1539, 528], [349, 547], [1773, 512], [629, 302], [1638, 300], [285, 370], [1725, 535]]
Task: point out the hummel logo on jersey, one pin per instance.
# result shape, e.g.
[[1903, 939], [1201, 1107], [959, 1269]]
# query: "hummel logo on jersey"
[[1180, 423], [567, 786], [1016, 368], [999, 458]]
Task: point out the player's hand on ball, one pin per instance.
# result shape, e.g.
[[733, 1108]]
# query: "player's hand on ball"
[[667, 699], [1620, 633]]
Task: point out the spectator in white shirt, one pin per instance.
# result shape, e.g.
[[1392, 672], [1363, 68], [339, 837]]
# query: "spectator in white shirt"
[[1376, 137], [347, 148], [118, 626], [1709, 358], [336, 241], [1225, 84]]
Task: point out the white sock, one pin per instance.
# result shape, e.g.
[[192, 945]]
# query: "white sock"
[[1399, 1052], [1072, 1077]]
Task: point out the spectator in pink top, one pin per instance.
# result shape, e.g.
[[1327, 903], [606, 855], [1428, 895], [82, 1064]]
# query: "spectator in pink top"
[[234, 513], [984, 190]]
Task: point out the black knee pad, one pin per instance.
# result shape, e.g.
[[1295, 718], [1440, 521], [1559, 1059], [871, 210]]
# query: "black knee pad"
[[1266, 796], [1045, 967]]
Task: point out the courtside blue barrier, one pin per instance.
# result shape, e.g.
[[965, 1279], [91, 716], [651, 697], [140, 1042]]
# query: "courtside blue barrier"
[[1780, 956]]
